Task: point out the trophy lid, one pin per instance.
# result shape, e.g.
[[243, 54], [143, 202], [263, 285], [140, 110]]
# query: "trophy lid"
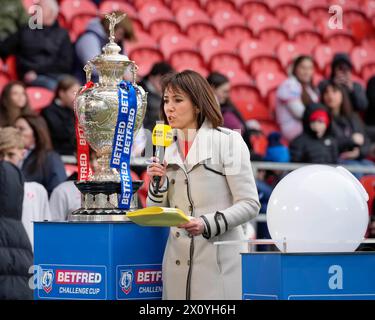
[[111, 51]]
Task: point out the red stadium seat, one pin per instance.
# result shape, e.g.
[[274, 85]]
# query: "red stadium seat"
[[323, 55], [249, 7], [259, 22], [227, 18], [70, 169], [250, 49], [289, 10], [295, 24], [187, 16], [188, 66], [212, 6], [176, 5], [288, 51], [159, 28], [145, 58], [138, 4], [210, 46], [225, 61], [237, 34], [273, 37], [151, 13], [267, 81], [263, 64], [309, 39], [144, 40], [72, 8], [171, 43], [39, 97], [4, 79], [361, 57], [78, 26], [308, 5], [368, 182], [187, 59], [319, 15], [249, 103], [109, 6], [236, 76], [269, 127], [11, 67], [341, 43], [198, 31], [279, 3]]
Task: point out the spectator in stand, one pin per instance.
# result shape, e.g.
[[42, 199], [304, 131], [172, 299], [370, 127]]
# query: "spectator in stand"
[[40, 164], [91, 42], [60, 116], [293, 95], [232, 117], [16, 256], [43, 55], [347, 126], [316, 144], [152, 84], [35, 202], [276, 151], [341, 74], [12, 17], [13, 103]]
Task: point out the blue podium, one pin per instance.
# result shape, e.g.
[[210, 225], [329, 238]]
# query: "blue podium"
[[308, 276], [102, 261]]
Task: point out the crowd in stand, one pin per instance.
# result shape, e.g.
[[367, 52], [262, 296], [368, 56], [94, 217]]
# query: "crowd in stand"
[[332, 123]]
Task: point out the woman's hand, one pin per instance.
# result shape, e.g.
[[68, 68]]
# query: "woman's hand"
[[156, 169], [195, 226], [348, 155]]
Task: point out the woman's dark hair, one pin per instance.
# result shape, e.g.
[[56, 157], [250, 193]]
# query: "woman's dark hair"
[[9, 114], [43, 142], [65, 84], [200, 93], [216, 79], [346, 108], [305, 97]]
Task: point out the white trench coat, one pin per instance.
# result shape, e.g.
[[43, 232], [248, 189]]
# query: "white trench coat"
[[214, 182]]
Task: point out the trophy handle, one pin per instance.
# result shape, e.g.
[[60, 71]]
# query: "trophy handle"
[[134, 71], [88, 68]]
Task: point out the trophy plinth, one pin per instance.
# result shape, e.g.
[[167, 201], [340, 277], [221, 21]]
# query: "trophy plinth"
[[96, 108]]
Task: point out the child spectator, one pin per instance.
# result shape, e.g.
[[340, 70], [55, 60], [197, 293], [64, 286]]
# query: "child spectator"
[[316, 144], [60, 116], [13, 103], [293, 95], [276, 151], [35, 205]]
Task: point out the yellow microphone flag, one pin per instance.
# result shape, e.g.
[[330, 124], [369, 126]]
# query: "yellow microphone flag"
[[162, 135]]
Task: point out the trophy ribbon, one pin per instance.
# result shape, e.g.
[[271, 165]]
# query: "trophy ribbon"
[[83, 154], [123, 140]]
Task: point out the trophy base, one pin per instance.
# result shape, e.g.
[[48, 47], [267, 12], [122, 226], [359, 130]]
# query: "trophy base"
[[100, 202], [99, 215]]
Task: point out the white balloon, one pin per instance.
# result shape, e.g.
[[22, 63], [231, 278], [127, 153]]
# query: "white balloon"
[[318, 208]]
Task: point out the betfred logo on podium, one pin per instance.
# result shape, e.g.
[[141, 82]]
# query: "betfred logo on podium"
[[72, 282], [139, 282], [47, 279]]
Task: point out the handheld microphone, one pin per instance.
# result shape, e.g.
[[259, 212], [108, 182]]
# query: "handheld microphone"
[[162, 136]]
